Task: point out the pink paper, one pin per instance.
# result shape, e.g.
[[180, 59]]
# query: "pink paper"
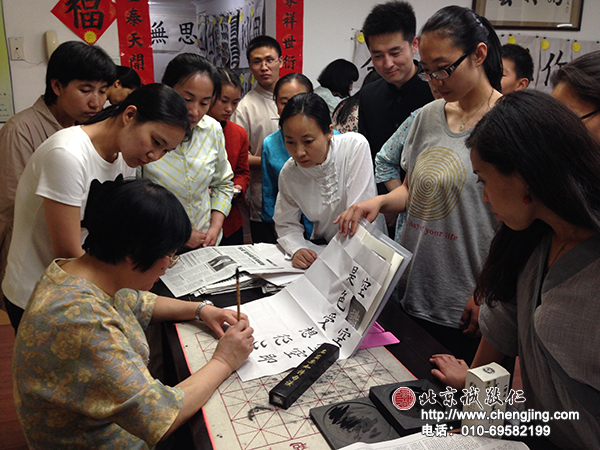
[[377, 337]]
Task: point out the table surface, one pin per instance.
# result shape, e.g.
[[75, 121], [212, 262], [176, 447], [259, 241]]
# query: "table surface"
[[413, 351]]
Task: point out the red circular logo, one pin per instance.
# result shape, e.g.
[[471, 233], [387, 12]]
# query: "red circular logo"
[[403, 398]]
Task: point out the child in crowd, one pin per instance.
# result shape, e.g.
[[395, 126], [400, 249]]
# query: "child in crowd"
[[325, 175], [236, 144], [197, 171], [257, 114], [517, 68]]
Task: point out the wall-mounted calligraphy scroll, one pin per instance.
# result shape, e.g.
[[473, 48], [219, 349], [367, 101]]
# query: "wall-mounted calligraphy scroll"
[[223, 36], [559, 15], [173, 32], [88, 19], [289, 19], [135, 44]]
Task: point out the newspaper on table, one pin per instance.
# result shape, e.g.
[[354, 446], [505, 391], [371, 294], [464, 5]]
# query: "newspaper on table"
[[336, 301], [209, 265]]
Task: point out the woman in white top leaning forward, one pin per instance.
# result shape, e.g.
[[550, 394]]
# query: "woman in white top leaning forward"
[[53, 189], [325, 175]]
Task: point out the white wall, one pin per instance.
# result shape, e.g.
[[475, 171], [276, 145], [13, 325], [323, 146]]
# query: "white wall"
[[328, 27], [30, 19], [330, 24]]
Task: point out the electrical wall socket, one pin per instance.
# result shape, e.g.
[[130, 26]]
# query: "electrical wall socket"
[[17, 48]]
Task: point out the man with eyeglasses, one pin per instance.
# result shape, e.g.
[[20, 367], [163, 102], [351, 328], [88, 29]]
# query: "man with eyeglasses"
[[257, 114], [390, 34]]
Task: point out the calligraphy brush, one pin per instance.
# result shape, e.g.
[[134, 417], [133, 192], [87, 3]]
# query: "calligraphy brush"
[[237, 291]]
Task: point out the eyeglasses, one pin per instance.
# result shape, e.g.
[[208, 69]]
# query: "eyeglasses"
[[596, 111], [442, 74], [268, 62], [173, 260]]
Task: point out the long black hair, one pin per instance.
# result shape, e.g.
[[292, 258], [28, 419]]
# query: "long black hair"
[[133, 218], [310, 105], [467, 29], [558, 159], [154, 103]]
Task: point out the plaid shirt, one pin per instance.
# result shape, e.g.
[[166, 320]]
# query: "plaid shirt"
[[198, 173]]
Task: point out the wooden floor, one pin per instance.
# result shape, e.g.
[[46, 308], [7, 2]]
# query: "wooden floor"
[[10, 431]]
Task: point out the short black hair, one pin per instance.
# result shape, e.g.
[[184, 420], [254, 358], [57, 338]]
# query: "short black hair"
[[134, 218], [76, 60], [185, 65], [310, 105], [338, 76], [521, 58], [288, 78], [263, 41], [391, 17], [128, 77]]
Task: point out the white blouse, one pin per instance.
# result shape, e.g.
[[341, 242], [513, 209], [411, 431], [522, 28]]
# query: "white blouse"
[[324, 191]]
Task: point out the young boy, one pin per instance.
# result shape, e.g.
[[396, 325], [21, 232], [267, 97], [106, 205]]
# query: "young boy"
[[257, 113], [517, 70], [77, 78], [390, 34]]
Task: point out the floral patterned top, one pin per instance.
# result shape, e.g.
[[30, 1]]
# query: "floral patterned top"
[[79, 368], [351, 123]]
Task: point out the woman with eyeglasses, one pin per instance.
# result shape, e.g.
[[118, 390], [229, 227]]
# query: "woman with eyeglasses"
[[577, 86], [80, 360], [447, 227]]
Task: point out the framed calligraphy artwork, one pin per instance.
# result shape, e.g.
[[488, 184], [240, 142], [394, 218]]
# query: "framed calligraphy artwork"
[[532, 14]]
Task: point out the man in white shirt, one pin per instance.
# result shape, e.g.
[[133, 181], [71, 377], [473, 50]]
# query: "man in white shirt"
[[257, 113]]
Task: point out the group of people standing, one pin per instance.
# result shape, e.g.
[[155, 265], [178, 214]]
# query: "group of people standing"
[[497, 196]]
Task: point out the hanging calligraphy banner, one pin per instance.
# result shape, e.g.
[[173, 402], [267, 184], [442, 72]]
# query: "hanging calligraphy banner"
[[88, 19], [135, 40], [173, 31], [289, 19]]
